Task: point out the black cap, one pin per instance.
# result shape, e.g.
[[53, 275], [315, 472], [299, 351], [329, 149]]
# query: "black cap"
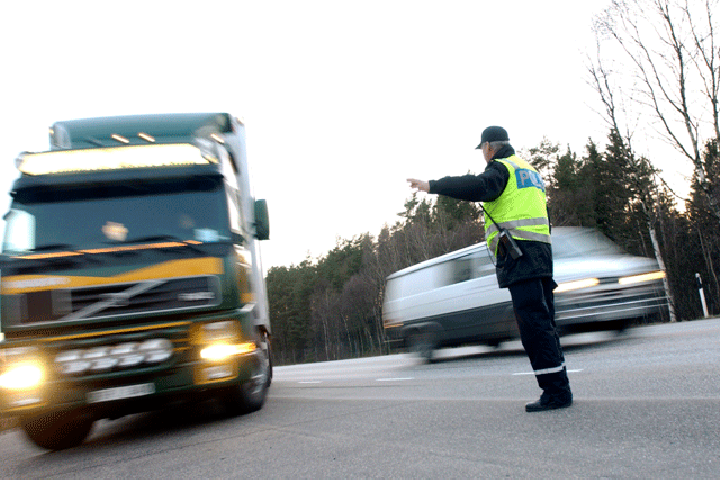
[[493, 134]]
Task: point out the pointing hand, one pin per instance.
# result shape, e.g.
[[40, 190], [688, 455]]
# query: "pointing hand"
[[419, 185]]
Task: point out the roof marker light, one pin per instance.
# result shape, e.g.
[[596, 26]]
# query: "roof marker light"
[[147, 137], [117, 158]]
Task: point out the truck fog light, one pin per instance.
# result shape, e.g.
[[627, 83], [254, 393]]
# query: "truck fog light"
[[104, 363], [222, 351], [156, 344], [216, 331], [130, 360], [218, 371], [69, 356], [156, 350], [22, 376], [127, 348], [74, 367], [127, 354], [71, 362], [157, 356], [95, 353]]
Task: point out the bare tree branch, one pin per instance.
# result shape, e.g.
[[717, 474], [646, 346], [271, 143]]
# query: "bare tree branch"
[[670, 54]]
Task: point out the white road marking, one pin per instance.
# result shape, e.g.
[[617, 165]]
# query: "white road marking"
[[311, 382], [397, 379]]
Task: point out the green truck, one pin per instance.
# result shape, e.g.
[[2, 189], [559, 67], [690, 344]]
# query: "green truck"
[[130, 275]]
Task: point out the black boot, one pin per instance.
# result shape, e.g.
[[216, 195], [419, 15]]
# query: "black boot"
[[556, 392], [550, 402]]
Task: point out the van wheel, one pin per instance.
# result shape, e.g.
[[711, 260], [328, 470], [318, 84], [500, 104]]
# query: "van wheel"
[[422, 344], [57, 430]]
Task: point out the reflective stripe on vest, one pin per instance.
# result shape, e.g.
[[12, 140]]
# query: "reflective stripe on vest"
[[518, 223], [521, 209]]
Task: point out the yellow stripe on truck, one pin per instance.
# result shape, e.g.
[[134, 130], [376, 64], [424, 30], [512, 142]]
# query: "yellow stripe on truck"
[[171, 269]]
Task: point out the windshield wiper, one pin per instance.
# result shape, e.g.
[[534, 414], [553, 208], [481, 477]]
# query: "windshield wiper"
[[53, 246], [164, 238], [94, 141], [31, 262], [155, 238]]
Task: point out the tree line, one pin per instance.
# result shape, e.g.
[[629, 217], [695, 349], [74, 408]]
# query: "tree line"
[[331, 307]]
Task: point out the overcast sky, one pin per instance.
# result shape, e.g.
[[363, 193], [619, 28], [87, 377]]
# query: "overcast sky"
[[342, 100]]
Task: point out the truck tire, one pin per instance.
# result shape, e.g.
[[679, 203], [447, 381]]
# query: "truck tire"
[[249, 396], [267, 350], [57, 430]]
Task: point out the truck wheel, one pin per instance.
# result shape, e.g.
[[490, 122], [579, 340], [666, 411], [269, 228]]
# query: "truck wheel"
[[267, 351], [57, 430], [249, 396], [422, 343]]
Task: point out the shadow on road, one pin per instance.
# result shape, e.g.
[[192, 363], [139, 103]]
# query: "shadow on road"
[[182, 420], [573, 342]]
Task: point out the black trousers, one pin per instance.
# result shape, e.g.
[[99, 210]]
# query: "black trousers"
[[535, 314]]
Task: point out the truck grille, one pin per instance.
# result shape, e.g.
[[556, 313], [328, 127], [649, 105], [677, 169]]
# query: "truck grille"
[[148, 296]]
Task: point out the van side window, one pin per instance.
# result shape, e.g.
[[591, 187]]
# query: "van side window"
[[483, 264], [461, 269]]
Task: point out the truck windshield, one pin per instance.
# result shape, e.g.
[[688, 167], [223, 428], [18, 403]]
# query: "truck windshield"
[[69, 218]]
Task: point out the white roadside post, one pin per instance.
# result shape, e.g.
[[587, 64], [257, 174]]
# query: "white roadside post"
[[698, 282]]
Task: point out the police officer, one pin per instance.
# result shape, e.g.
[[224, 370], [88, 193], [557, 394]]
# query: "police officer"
[[517, 231]]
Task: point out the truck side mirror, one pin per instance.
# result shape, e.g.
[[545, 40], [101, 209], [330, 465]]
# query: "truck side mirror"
[[262, 220]]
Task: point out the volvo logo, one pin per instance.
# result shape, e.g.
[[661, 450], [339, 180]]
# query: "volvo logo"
[[120, 299], [196, 297]]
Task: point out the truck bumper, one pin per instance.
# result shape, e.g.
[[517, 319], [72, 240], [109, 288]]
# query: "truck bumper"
[[117, 383], [113, 397]]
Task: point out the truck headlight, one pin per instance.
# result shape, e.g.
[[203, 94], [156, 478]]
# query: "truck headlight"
[[21, 368], [219, 344], [221, 352], [22, 376]]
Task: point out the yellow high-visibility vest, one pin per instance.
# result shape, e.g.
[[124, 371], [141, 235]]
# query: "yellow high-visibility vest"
[[522, 207]]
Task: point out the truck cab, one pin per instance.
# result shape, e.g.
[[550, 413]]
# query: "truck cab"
[[130, 274]]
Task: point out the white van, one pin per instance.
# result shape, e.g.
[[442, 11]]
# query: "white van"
[[454, 299]]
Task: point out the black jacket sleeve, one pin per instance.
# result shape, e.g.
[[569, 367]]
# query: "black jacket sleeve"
[[485, 187]]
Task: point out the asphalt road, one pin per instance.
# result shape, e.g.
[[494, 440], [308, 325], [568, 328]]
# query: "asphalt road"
[[647, 405]]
